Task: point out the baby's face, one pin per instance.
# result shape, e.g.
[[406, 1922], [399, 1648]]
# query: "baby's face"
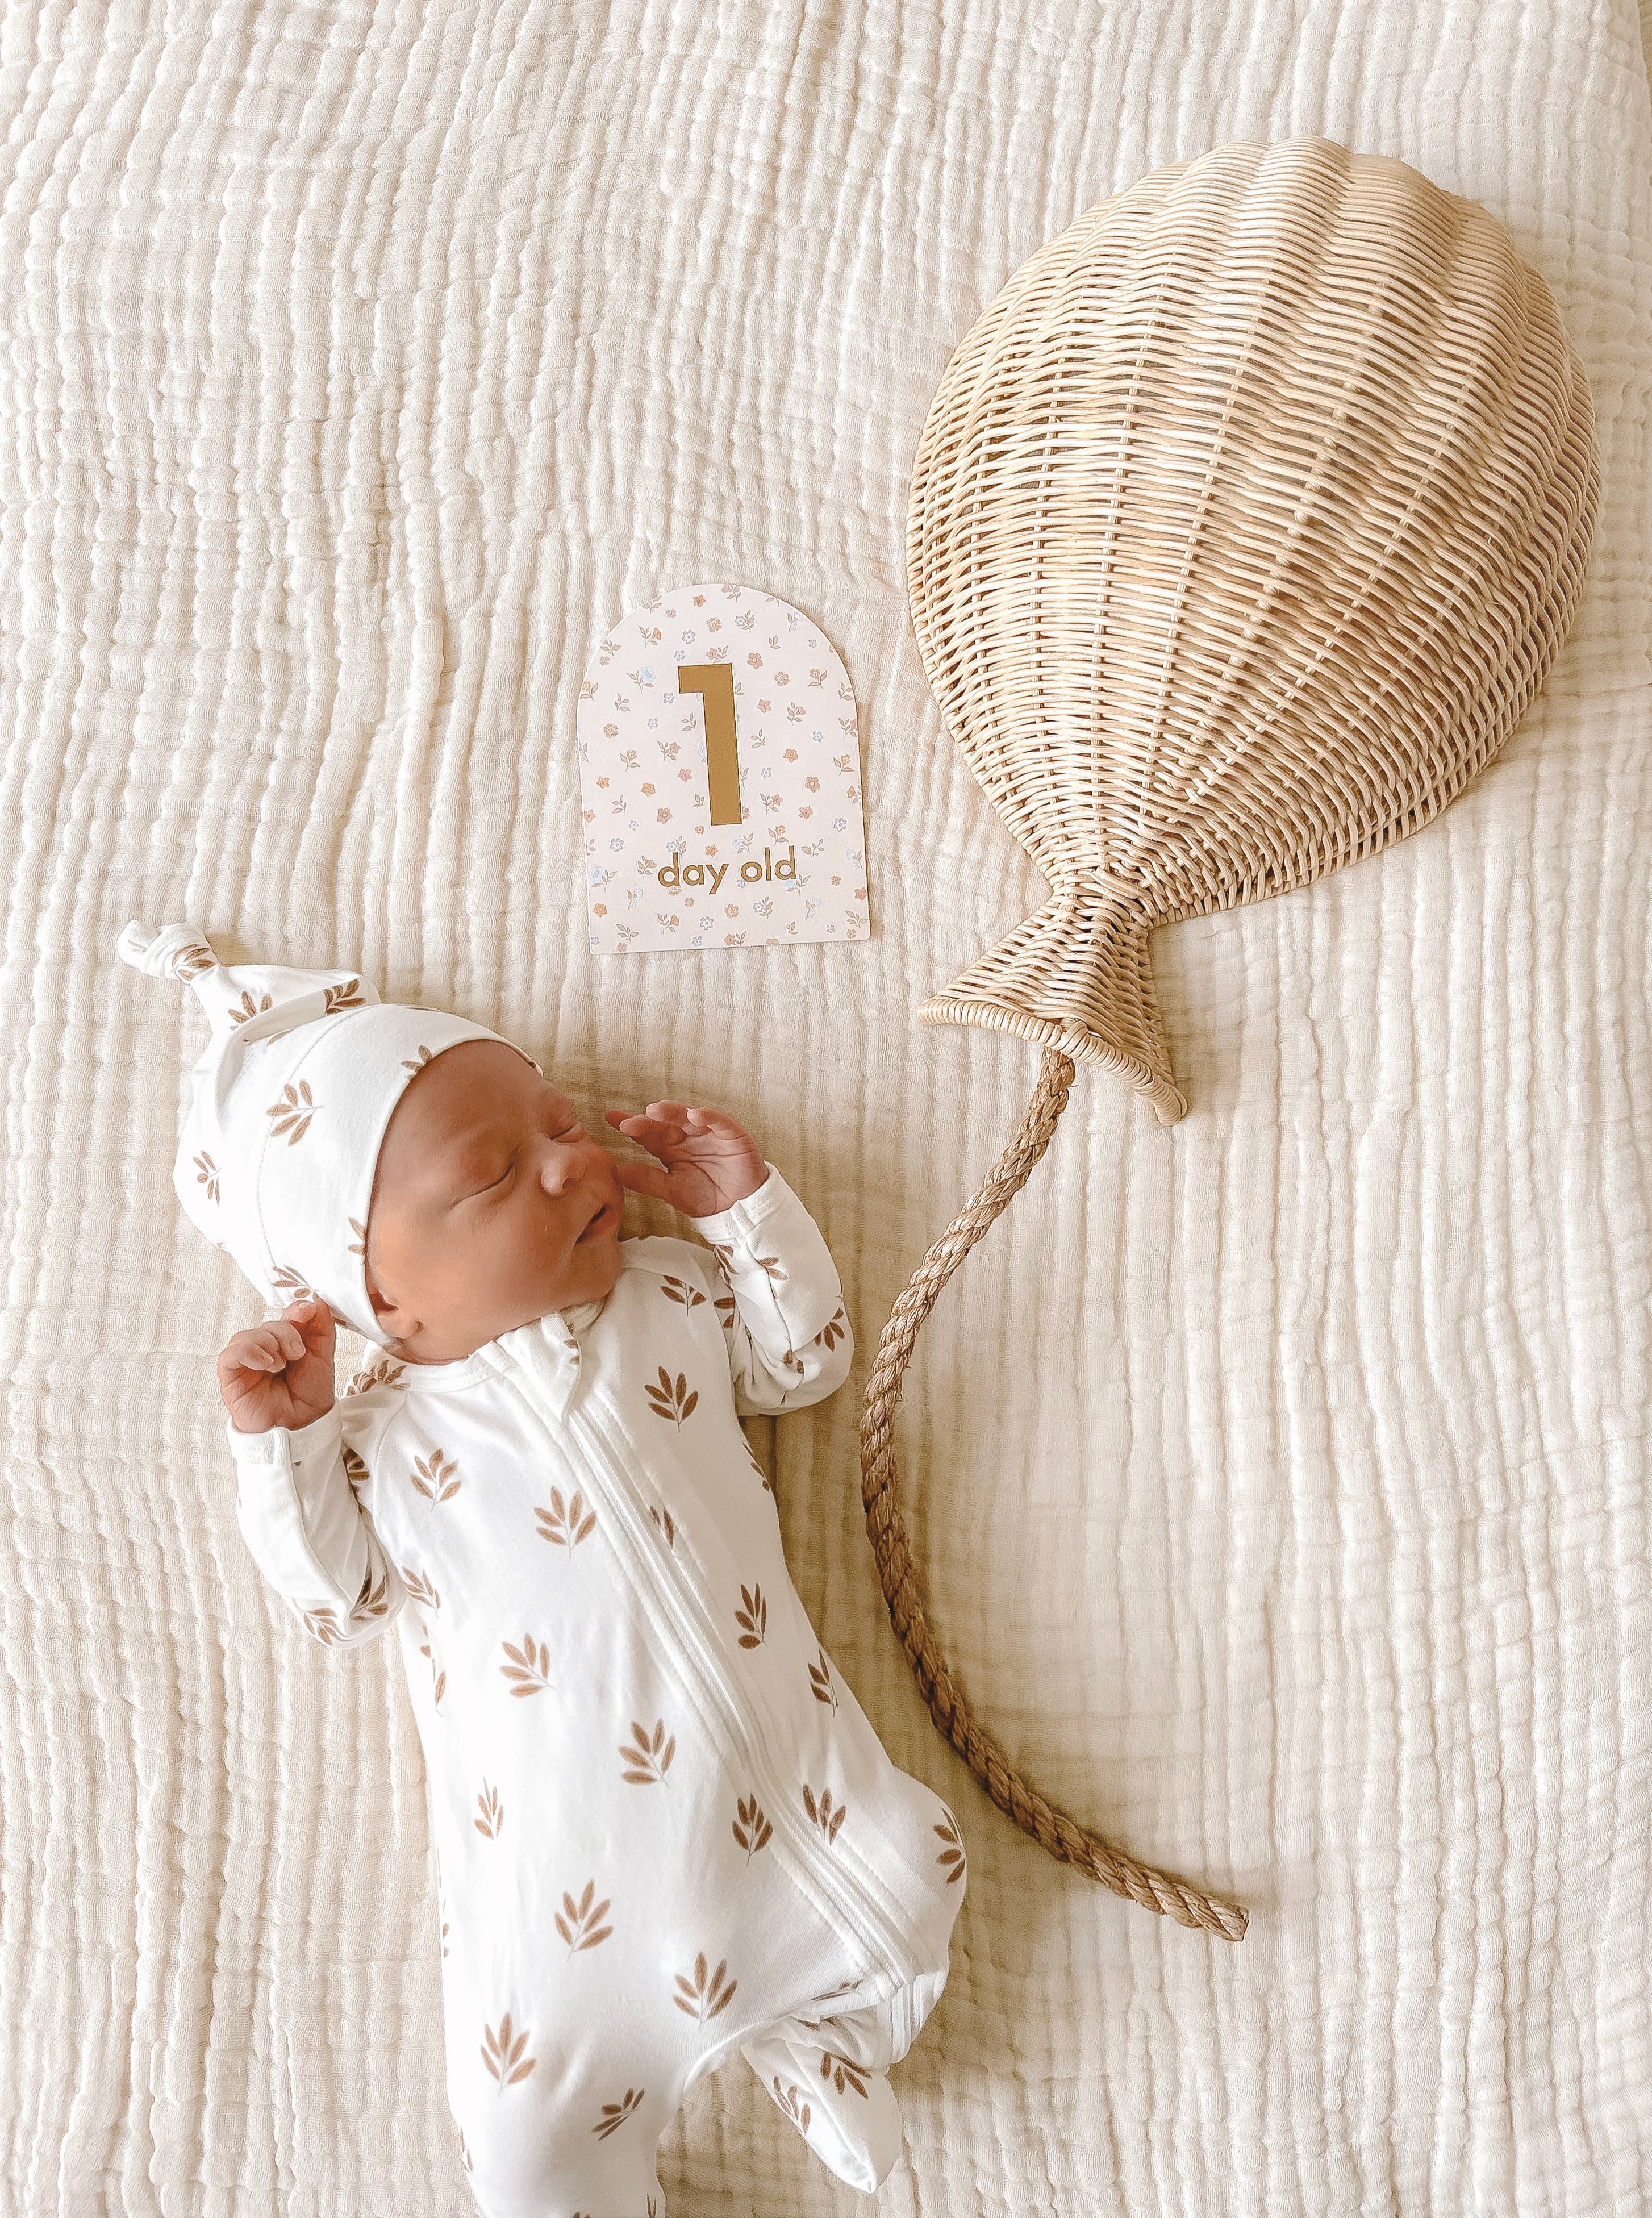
[[491, 1205]]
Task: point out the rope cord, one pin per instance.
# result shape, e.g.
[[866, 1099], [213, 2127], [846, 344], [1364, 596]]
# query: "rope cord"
[[1066, 1840]]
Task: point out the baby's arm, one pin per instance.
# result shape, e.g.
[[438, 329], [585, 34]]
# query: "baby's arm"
[[788, 1338], [296, 1507]]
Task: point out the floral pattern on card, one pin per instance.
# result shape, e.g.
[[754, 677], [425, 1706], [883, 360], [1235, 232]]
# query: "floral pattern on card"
[[668, 747]]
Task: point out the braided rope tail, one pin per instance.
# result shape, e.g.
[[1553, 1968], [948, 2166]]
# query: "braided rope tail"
[[1066, 1840]]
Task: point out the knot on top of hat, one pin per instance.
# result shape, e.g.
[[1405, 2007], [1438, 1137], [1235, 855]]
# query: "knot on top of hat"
[[289, 1104], [176, 951]]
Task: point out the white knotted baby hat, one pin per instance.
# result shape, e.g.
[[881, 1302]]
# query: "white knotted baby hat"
[[288, 1111]]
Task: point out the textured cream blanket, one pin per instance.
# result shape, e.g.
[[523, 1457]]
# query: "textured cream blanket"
[[360, 364]]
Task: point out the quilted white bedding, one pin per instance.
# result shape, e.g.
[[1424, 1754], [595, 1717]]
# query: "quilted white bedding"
[[361, 364]]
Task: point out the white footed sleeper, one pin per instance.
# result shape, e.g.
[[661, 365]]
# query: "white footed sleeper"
[[665, 1828]]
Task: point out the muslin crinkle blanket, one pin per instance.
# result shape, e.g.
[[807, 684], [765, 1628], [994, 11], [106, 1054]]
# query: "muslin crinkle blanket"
[[1281, 1482]]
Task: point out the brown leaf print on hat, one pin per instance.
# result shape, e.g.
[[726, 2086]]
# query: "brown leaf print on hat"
[[530, 1667], [614, 2114], [323, 1624], [434, 1478], [384, 1373], [751, 1828], [207, 1174], [706, 1995], [502, 2053], [650, 1758], [346, 996], [416, 1063], [671, 1399], [358, 1246], [247, 1008], [952, 1855], [823, 1815], [564, 1525], [580, 1924], [679, 1290], [191, 961], [292, 1112], [292, 1285]]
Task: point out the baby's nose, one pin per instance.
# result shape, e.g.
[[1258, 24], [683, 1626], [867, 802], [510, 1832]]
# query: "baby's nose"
[[559, 1169]]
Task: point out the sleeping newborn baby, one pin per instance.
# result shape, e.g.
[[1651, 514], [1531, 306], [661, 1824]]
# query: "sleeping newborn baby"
[[665, 1830]]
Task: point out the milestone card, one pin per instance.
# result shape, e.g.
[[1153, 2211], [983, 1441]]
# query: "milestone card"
[[720, 778]]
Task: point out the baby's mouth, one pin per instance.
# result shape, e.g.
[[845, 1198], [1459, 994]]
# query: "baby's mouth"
[[599, 1225]]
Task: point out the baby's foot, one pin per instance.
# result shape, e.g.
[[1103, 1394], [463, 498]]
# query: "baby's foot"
[[845, 2112]]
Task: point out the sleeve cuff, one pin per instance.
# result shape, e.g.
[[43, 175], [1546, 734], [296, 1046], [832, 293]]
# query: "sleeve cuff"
[[741, 1219], [257, 1449]]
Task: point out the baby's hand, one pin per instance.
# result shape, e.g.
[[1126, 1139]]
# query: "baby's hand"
[[710, 1162], [280, 1373]]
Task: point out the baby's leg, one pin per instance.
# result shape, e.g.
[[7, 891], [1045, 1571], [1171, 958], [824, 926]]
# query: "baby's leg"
[[582, 2147]]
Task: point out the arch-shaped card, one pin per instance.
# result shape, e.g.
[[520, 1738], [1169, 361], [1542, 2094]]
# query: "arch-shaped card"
[[720, 778]]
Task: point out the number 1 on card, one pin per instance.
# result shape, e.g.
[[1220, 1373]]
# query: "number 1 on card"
[[715, 683]]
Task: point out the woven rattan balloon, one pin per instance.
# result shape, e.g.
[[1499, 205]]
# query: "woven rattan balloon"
[[1245, 524]]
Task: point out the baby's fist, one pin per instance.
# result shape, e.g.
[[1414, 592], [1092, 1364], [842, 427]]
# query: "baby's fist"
[[280, 1373]]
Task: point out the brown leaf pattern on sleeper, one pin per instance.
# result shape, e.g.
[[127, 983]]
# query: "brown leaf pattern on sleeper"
[[580, 1924], [438, 1679], [648, 1755], [663, 1519], [565, 1524], [292, 1112], [823, 1815], [752, 1617], [491, 1821], [433, 1478], [726, 1307], [725, 1259], [530, 1667], [502, 2053], [207, 1174], [373, 1601], [420, 1588], [323, 1624], [356, 1470], [842, 2074], [679, 1290], [346, 996], [835, 1328], [704, 1996], [820, 1680], [751, 1828], [951, 1858], [614, 2114], [671, 1397], [791, 2100]]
